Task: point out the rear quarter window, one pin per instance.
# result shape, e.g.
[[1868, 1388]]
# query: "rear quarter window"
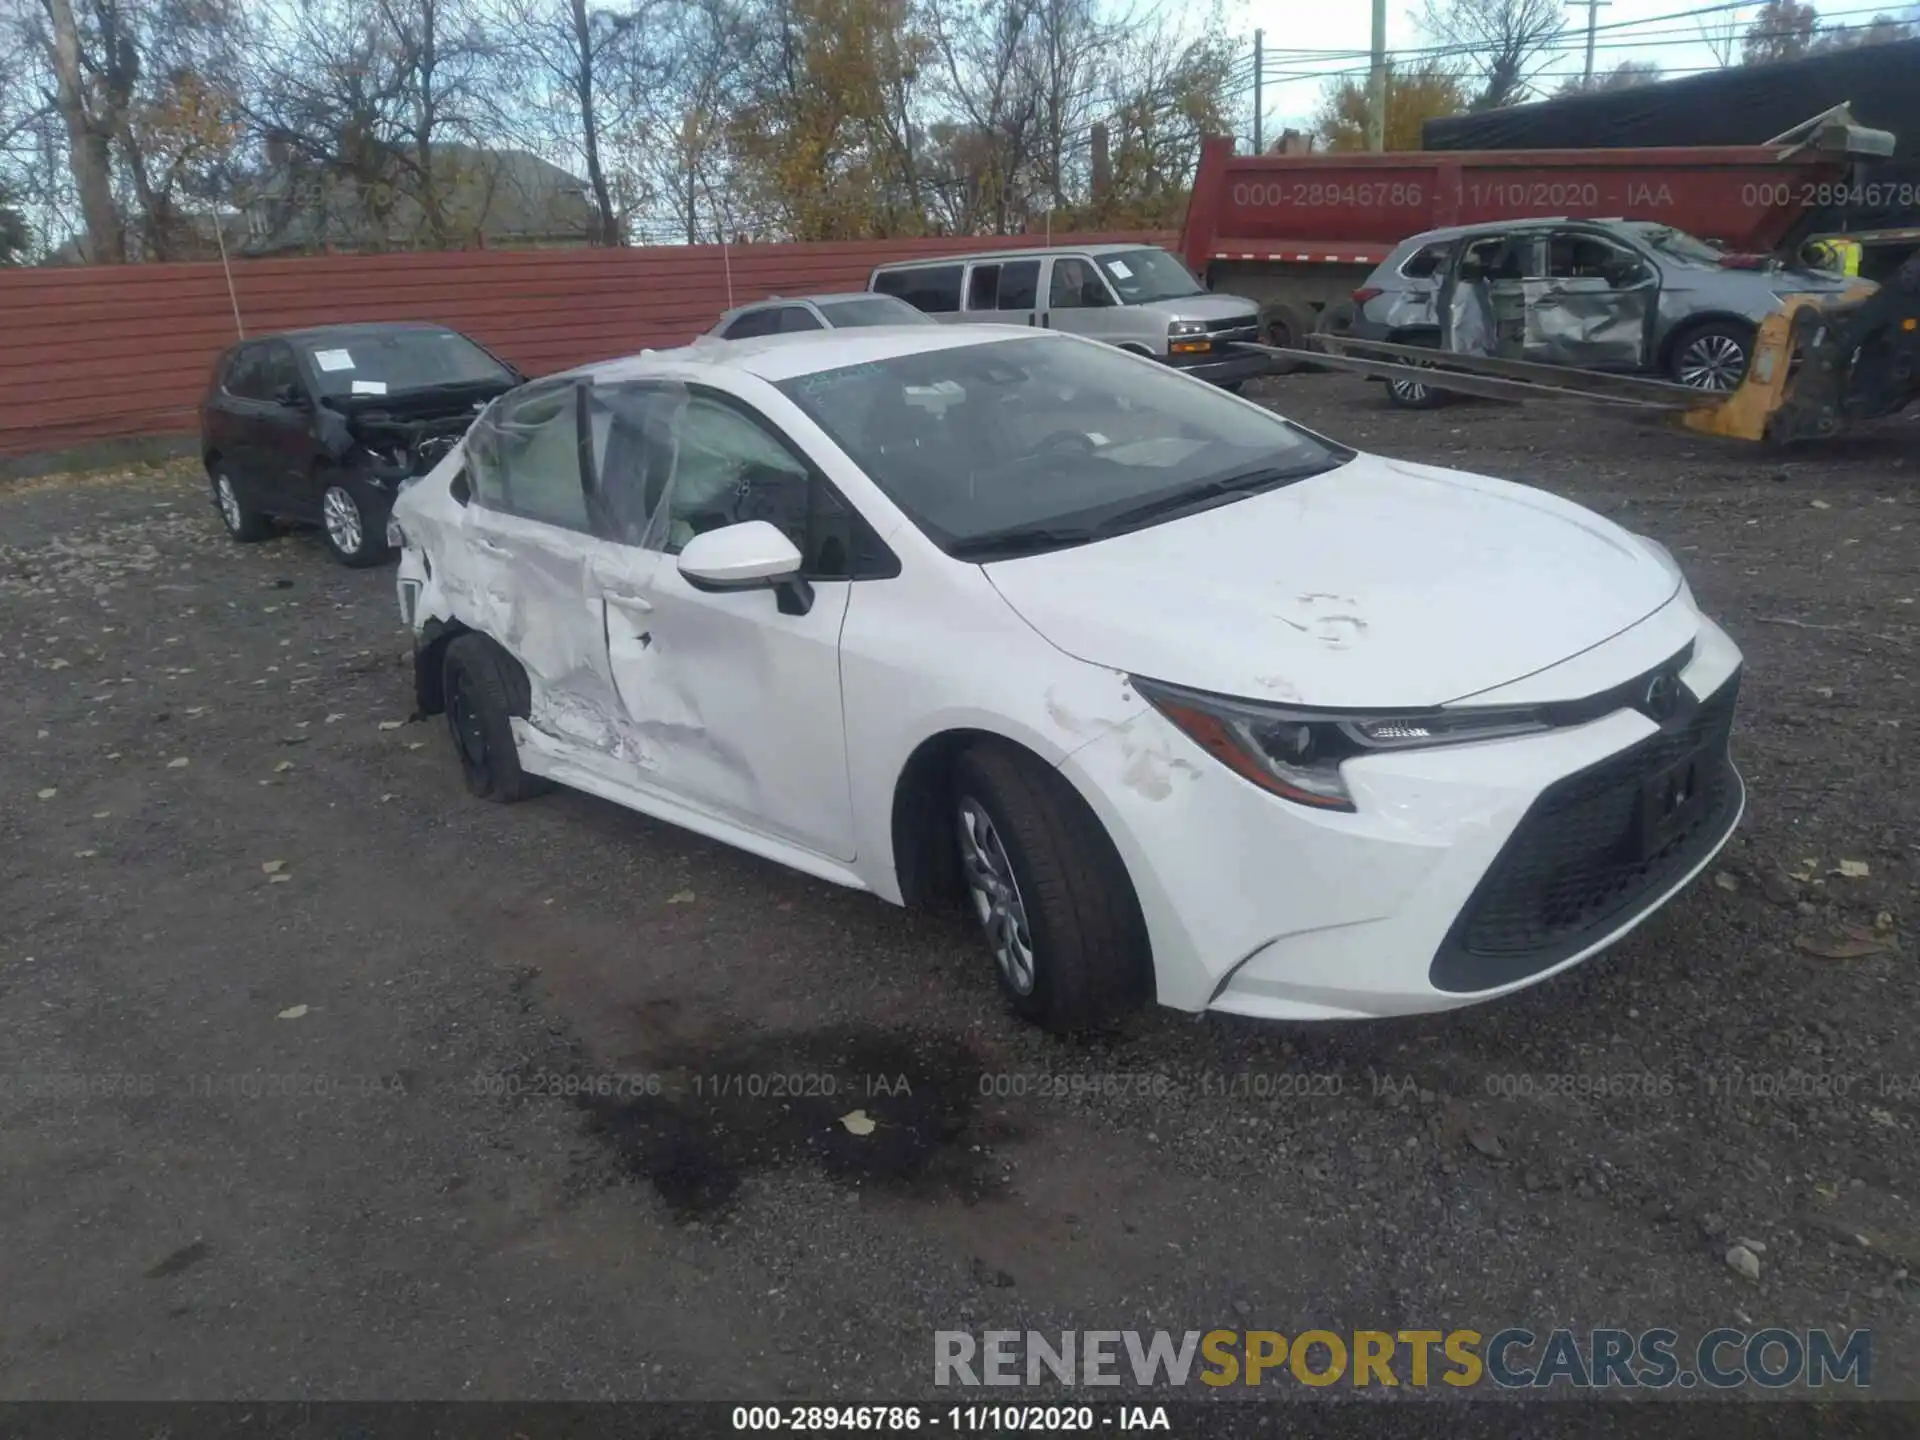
[[932, 288]]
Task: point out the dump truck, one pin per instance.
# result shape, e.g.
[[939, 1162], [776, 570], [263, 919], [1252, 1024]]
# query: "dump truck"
[[1297, 233]]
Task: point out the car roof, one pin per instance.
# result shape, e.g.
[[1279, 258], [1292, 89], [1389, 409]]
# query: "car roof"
[[366, 329], [1107, 248], [781, 357], [1502, 227], [838, 297]]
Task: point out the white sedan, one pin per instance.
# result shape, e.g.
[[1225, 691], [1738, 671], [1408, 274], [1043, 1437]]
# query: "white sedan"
[[1182, 701]]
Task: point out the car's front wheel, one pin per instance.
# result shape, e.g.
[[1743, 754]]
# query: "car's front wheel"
[[243, 522], [355, 537], [1713, 356], [478, 695], [1049, 891]]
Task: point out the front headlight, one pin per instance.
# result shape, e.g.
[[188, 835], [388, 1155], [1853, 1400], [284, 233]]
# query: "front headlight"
[[1178, 328], [1297, 754], [396, 537]]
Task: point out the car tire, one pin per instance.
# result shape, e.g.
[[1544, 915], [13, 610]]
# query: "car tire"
[[355, 536], [478, 696], [243, 522], [1287, 328], [1042, 878], [1712, 356], [1411, 394]]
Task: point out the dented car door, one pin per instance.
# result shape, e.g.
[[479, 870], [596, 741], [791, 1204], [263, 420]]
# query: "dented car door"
[[525, 559], [1593, 308], [733, 696]]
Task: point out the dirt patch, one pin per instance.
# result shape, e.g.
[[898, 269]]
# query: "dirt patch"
[[861, 1106]]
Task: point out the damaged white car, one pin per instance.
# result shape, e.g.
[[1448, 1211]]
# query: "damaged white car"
[[1180, 700]]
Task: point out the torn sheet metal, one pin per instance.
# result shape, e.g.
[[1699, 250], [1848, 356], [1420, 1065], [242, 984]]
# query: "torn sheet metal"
[[1470, 320], [1587, 323]]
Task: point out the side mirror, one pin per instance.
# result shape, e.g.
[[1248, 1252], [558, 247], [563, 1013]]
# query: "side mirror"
[[753, 555], [290, 396]]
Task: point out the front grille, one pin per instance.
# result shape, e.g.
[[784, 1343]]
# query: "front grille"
[[1576, 867], [1234, 327]]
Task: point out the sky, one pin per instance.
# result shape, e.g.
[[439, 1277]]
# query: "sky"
[[1306, 42]]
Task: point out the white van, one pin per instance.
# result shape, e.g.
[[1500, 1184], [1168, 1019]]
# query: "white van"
[[1137, 297]]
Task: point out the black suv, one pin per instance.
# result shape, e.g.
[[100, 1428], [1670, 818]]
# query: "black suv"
[[324, 426]]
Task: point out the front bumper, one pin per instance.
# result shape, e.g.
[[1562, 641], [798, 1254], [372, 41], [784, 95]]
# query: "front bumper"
[[1462, 876], [1221, 368]]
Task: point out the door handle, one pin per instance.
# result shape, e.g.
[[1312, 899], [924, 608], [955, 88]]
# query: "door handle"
[[627, 600]]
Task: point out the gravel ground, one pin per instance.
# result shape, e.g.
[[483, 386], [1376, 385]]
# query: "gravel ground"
[[291, 1023]]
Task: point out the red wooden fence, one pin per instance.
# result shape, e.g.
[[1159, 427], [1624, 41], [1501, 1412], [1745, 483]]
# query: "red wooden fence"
[[106, 352]]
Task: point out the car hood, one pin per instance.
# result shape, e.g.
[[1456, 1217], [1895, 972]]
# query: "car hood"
[[1378, 584], [1207, 306]]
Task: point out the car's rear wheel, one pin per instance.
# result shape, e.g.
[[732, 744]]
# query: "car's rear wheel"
[[351, 532], [1713, 356], [1411, 394], [479, 706], [243, 522], [1049, 891]]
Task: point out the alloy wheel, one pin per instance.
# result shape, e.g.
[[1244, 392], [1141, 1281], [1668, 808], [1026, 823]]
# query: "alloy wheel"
[[996, 896], [1712, 362], [342, 519]]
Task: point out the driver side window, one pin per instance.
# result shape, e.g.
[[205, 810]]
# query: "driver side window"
[[728, 469], [1075, 285]]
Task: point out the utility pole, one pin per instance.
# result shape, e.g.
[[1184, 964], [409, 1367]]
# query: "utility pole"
[[1377, 81], [1259, 56], [1593, 25]]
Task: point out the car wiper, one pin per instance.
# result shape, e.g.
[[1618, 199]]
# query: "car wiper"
[[1018, 540], [1265, 478]]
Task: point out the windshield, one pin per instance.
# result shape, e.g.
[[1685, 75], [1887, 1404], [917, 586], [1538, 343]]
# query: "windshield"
[[872, 310], [394, 362], [1144, 275], [1028, 444], [1678, 245]]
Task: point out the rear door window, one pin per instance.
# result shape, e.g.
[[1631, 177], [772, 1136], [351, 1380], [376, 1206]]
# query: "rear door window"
[[524, 457], [983, 288], [796, 318], [1019, 285]]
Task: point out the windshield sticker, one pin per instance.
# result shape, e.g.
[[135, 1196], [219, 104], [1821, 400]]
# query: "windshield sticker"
[[331, 360], [1118, 269], [369, 387], [826, 381]]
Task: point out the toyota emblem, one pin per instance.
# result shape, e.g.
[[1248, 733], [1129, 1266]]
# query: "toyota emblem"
[[1663, 696]]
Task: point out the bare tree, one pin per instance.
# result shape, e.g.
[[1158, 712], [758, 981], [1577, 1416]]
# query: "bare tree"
[[1720, 33], [593, 68], [93, 72], [380, 113], [1507, 42]]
